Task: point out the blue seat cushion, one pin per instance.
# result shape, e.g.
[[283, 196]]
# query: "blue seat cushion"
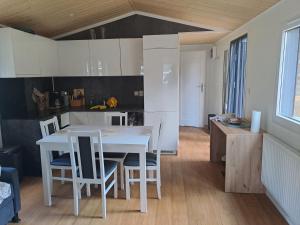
[[109, 166], [114, 155], [132, 159], [62, 160]]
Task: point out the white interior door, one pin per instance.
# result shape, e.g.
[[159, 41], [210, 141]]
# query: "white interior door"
[[192, 84]]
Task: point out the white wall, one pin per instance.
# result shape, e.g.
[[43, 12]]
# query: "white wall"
[[264, 46]]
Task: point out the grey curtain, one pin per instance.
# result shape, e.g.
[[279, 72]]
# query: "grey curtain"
[[235, 90]]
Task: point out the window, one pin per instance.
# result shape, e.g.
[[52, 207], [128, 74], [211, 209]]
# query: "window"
[[288, 100], [235, 90]]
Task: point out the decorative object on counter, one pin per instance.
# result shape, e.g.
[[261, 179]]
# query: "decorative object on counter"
[[236, 123], [222, 117], [230, 120], [100, 107], [78, 99], [41, 99], [112, 102], [255, 121]]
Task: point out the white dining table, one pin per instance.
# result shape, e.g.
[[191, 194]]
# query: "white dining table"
[[136, 139]]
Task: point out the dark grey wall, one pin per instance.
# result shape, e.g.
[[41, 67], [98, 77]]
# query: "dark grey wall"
[[133, 27]]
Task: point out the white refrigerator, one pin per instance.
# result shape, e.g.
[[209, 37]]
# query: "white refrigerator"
[[161, 95]]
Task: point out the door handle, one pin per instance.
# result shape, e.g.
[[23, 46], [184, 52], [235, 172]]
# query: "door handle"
[[201, 86]]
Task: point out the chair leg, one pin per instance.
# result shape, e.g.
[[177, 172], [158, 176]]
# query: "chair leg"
[[122, 175], [116, 184], [88, 190], [51, 182], [76, 199], [158, 184], [79, 191], [103, 200], [63, 174], [127, 189]]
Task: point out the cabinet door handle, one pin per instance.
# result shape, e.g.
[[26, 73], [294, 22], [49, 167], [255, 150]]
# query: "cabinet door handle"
[[100, 68], [87, 68]]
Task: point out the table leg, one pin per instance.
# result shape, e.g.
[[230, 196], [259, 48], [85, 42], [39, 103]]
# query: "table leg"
[[143, 182], [46, 176]]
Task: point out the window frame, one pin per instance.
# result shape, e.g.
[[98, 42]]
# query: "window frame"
[[284, 121]]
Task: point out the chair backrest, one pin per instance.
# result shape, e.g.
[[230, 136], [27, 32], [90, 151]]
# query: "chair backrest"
[[49, 127], [121, 115], [83, 142], [1, 141]]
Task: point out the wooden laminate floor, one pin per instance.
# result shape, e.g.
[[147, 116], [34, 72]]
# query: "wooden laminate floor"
[[192, 194]]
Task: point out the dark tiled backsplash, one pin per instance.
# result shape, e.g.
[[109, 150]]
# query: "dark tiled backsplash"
[[15, 93], [98, 89]]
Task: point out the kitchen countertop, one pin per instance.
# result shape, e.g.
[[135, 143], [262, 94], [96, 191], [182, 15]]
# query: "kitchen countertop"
[[54, 112]]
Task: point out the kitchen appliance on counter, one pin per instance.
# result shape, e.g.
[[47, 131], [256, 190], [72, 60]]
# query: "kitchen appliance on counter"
[[65, 98], [55, 100]]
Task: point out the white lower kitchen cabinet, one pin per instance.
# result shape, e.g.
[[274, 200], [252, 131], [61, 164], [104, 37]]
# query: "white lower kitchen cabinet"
[[64, 119], [87, 118], [170, 129], [96, 118], [79, 118]]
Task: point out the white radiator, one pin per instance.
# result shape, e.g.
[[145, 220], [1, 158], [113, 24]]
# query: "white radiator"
[[281, 177]]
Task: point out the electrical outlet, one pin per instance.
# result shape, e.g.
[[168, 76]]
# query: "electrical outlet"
[[136, 93]]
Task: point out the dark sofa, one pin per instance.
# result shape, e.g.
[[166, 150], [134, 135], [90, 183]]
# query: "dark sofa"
[[10, 207]]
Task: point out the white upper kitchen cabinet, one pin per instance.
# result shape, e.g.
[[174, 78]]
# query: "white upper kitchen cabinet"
[[105, 59], [160, 41], [48, 52], [19, 56], [26, 53], [73, 58], [131, 56]]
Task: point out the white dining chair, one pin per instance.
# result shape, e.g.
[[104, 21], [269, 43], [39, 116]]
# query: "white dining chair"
[[117, 156], [91, 171], [132, 163], [58, 161], [122, 117]]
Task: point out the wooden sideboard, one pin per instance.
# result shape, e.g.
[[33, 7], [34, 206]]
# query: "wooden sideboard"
[[243, 150]]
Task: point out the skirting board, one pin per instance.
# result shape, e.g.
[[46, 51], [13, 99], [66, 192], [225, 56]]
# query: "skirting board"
[[166, 152], [282, 212]]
